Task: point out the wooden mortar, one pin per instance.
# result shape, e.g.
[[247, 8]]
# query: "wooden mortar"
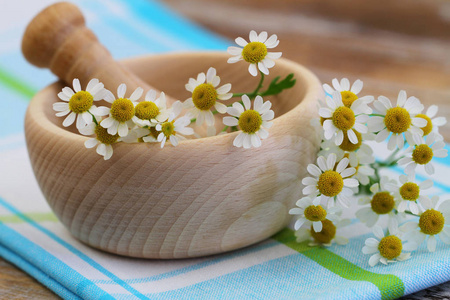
[[202, 197]]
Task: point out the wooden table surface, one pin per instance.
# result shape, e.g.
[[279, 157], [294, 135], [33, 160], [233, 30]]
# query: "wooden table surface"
[[389, 44]]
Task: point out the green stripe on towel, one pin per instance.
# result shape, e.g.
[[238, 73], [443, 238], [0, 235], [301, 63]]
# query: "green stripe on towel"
[[37, 217], [16, 84], [390, 286]]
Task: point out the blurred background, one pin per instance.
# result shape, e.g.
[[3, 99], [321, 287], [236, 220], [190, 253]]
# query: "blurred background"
[[389, 44]]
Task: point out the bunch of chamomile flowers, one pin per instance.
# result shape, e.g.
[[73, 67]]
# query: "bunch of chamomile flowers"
[[400, 212], [133, 117]]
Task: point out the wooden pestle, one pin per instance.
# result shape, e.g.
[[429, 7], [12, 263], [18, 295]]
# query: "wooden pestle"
[[58, 39]]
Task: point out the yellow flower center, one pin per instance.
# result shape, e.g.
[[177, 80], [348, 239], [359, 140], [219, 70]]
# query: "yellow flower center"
[[104, 137], [410, 191], [315, 213], [348, 98], [80, 102], [122, 110], [343, 118], [250, 121], [431, 222], [382, 203], [322, 119], [254, 52], [204, 96], [422, 154], [168, 129], [330, 183], [390, 247], [397, 120], [427, 129], [349, 146], [146, 110], [327, 234]]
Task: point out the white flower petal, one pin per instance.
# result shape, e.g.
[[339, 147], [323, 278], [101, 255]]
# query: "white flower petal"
[[378, 232], [374, 259], [253, 70], [431, 243], [76, 85], [122, 129], [230, 121], [69, 119], [90, 143], [121, 90]]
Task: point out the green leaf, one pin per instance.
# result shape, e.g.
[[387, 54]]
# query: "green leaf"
[[276, 87]]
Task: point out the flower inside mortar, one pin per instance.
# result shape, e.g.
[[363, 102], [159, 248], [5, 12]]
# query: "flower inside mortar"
[[79, 105], [205, 95], [255, 52], [152, 110], [252, 122], [122, 111], [103, 140], [174, 129]]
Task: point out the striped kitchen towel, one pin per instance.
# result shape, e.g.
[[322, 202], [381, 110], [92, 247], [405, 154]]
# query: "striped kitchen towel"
[[279, 268]]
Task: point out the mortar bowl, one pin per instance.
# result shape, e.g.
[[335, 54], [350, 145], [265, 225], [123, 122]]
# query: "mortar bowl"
[[204, 196]]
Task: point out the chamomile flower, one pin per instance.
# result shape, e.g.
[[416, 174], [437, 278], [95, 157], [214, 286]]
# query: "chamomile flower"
[[79, 104], [328, 234], [430, 223], [360, 159], [255, 52], [151, 111], [349, 93], [205, 96], [330, 181], [381, 203], [103, 140], [174, 129], [311, 213], [122, 111], [397, 120], [252, 122], [341, 119], [385, 249], [432, 122], [409, 194], [422, 153]]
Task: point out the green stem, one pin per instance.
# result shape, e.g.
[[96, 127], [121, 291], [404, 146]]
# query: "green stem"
[[255, 92], [93, 118], [260, 84], [224, 129]]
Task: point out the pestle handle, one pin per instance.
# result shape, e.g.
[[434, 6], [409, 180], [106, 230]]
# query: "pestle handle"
[[58, 39]]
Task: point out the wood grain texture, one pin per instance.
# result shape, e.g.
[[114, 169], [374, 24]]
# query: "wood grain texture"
[[202, 197], [15, 285]]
